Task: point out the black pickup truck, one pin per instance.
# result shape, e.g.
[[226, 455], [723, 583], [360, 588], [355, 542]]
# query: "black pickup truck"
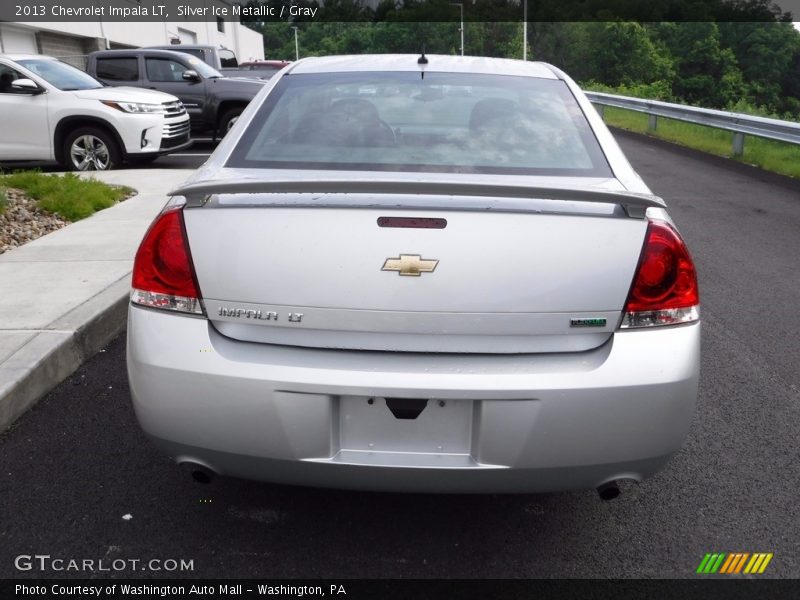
[[213, 102]]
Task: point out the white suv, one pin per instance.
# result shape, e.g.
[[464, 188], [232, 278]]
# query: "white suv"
[[50, 110]]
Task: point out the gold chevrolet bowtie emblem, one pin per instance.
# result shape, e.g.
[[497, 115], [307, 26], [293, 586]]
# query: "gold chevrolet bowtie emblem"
[[410, 264]]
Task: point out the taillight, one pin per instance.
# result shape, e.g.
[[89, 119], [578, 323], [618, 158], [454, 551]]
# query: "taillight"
[[163, 275], [664, 289]]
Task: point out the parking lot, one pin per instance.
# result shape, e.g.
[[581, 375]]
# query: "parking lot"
[[191, 158], [79, 480]]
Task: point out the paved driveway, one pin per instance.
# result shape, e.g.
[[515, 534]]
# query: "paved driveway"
[[71, 469]]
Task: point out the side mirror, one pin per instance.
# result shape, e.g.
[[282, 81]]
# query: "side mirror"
[[27, 86], [191, 75]]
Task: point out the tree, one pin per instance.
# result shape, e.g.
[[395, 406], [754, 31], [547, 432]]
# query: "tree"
[[706, 73], [622, 53], [766, 54]]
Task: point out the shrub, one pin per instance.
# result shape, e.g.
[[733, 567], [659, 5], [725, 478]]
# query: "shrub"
[[69, 196]]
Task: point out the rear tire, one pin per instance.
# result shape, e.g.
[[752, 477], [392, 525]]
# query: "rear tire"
[[91, 149], [229, 119]]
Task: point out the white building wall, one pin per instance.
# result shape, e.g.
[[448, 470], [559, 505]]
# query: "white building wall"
[[16, 39]]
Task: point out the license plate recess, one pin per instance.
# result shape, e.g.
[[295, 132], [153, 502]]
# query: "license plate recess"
[[369, 424]]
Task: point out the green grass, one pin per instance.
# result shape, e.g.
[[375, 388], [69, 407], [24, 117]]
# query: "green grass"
[[3, 200], [69, 196], [769, 155]]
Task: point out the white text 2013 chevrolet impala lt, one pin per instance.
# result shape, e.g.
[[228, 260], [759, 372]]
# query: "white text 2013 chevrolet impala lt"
[[418, 274]]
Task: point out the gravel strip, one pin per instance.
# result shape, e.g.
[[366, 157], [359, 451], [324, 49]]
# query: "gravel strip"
[[23, 221]]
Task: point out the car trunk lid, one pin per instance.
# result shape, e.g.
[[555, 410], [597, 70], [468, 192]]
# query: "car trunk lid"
[[504, 274]]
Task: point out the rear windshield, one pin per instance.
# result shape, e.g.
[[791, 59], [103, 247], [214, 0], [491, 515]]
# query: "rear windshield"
[[399, 121]]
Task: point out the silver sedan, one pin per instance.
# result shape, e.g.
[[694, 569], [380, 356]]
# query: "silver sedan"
[[416, 273]]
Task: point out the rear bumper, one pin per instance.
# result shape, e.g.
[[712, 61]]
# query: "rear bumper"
[[493, 423]]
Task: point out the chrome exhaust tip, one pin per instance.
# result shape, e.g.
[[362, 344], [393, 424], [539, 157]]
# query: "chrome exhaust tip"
[[608, 491], [199, 473]]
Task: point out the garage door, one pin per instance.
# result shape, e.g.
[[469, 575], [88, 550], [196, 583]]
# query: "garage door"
[[14, 40]]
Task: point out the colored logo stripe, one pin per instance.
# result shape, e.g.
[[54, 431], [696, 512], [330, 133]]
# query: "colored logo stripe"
[[703, 564], [734, 562], [710, 563], [732, 558], [758, 563]]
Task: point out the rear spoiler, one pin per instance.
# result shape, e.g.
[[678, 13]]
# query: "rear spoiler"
[[198, 193]]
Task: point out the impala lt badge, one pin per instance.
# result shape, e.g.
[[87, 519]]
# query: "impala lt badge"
[[258, 315], [411, 265]]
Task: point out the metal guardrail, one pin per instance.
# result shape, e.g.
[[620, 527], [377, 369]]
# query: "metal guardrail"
[[740, 124]]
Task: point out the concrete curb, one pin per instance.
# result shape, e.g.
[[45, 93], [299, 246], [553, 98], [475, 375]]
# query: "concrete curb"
[[51, 356]]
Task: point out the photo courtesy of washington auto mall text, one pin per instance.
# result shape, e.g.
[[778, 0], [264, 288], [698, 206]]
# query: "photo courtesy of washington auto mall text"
[[213, 590]]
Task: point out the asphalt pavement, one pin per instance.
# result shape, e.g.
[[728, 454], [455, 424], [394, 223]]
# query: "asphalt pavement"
[[78, 480]]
